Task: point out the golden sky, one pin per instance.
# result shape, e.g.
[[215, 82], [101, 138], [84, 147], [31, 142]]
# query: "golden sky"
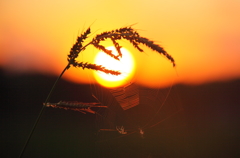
[[202, 36]]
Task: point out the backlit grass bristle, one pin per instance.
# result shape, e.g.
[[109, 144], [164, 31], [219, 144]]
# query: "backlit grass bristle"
[[77, 47], [95, 67], [75, 106]]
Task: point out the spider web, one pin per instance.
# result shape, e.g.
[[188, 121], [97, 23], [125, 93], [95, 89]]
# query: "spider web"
[[141, 112], [133, 106]]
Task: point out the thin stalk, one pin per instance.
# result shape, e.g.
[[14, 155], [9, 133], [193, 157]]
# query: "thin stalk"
[[42, 109], [53, 87]]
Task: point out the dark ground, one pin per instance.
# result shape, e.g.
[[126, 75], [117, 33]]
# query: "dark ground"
[[211, 112]]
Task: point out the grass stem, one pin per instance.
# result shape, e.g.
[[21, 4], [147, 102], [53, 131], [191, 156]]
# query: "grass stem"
[[42, 109]]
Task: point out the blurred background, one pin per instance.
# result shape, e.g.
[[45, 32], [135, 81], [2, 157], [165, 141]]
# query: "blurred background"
[[202, 36], [36, 36]]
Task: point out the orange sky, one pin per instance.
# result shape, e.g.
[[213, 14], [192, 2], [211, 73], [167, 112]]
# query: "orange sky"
[[202, 36]]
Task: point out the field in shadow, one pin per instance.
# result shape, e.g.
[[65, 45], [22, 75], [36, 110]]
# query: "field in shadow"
[[211, 116]]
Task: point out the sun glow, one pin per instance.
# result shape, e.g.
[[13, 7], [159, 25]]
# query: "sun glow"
[[126, 65]]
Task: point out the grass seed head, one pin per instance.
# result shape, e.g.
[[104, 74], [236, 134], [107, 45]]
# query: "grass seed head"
[[127, 33]]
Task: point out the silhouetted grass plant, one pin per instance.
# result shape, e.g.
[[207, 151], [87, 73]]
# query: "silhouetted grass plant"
[[126, 33]]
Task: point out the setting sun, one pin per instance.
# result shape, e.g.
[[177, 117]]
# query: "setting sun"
[[126, 65]]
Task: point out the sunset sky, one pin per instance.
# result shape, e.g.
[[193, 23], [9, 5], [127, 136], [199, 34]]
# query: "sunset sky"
[[202, 36]]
